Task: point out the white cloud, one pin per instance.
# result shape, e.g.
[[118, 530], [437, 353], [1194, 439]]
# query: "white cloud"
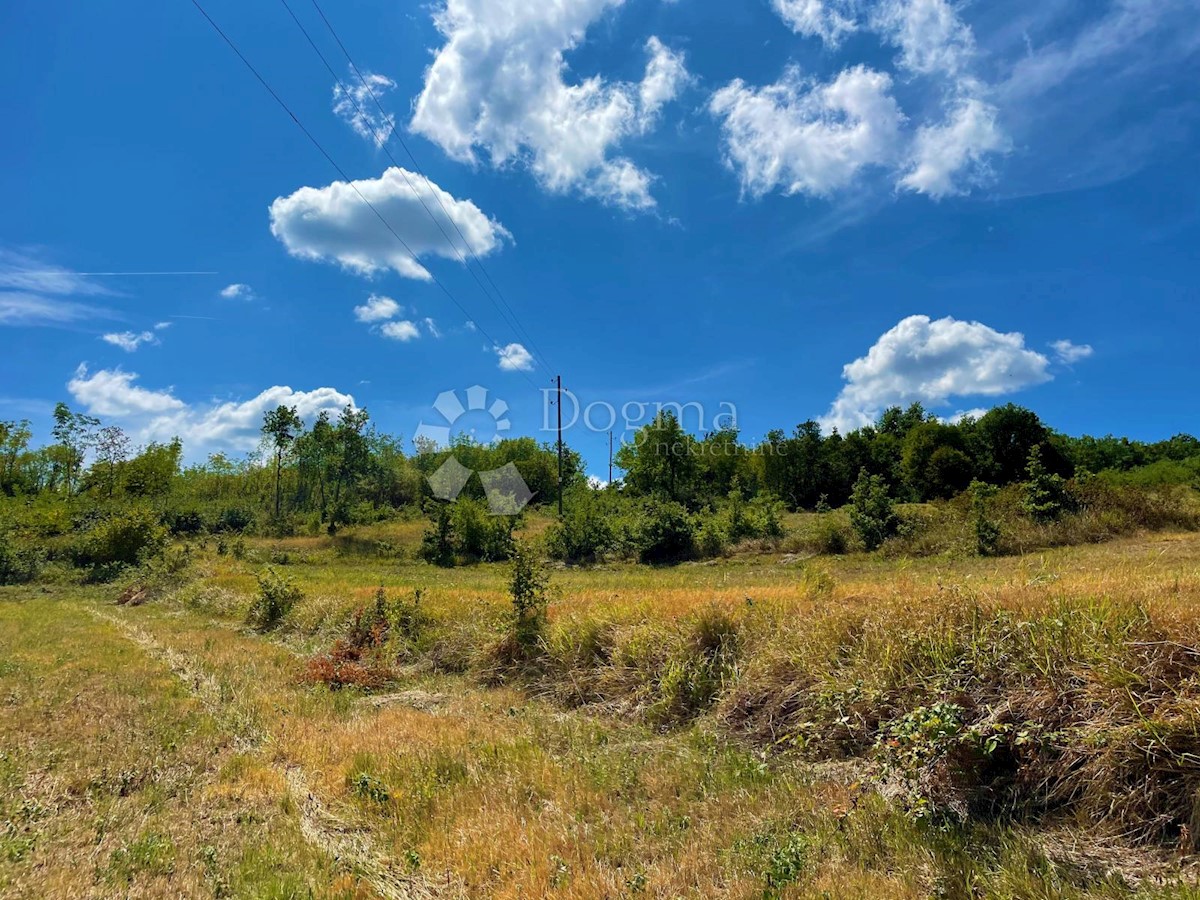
[[666, 73], [238, 292], [129, 341], [18, 308], [514, 358], [160, 415], [401, 331], [931, 36], [162, 326], [942, 153], [929, 362], [377, 309], [1068, 352], [431, 327], [111, 392], [355, 103], [809, 138], [798, 138], [498, 84], [829, 20], [333, 223], [957, 419]]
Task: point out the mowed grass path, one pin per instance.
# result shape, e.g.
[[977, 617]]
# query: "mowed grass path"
[[156, 752]]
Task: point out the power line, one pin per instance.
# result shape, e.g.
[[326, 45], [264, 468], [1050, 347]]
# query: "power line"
[[394, 132], [342, 172]]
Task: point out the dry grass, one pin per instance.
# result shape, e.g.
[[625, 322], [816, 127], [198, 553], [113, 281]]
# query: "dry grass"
[[674, 737]]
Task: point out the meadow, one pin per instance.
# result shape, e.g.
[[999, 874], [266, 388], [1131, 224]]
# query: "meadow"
[[765, 724]]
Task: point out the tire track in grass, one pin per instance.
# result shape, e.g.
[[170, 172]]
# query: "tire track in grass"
[[320, 827]]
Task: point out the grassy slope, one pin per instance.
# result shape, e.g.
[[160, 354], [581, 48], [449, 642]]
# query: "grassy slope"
[[451, 788]]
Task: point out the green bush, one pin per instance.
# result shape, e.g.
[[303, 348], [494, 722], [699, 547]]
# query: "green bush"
[[466, 531], [277, 596], [234, 518], [122, 540], [666, 533], [585, 533], [18, 564], [529, 600]]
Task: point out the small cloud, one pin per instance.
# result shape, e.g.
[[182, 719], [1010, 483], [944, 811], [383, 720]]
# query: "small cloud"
[[401, 331], [596, 483], [356, 106], [162, 326], [377, 309], [238, 292], [470, 326], [1068, 352], [963, 414], [128, 341], [514, 358], [431, 327]]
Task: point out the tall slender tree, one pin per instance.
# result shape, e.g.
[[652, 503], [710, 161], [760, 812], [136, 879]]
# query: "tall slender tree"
[[282, 425]]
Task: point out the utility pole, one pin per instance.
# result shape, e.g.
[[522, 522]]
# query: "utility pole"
[[560, 450], [610, 457]]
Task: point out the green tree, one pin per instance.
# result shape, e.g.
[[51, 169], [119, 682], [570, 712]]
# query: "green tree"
[[1045, 493], [987, 529], [281, 425], [661, 460], [872, 512], [112, 449], [14, 442], [74, 433]]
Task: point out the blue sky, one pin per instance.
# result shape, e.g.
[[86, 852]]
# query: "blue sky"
[[802, 208]]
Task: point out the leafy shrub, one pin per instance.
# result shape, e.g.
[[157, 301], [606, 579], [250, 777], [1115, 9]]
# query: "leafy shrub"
[[872, 513], [830, 536], [234, 519], [277, 596], [987, 529], [585, 533], [125, 539], [479, 535], [528, 588], [184, 522], [1045, 496], [665, 534], [18, 564], [466, 531]]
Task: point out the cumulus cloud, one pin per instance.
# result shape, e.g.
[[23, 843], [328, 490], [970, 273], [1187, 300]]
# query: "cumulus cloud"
[[159, 415], [1067, 352], [238, 292], [804, 137], [129, 341], [400, 331], [111, 392], [829, 20], [333, 224], [355, 103], [499, 85], [514, 358], [801, 137], [961, 144], [931, 36], [931, 361], [377, 309]]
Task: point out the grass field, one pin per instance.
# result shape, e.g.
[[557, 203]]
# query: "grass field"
[[757, 726]]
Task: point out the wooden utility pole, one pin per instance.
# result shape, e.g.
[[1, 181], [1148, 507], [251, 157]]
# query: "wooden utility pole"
[[610, 457], [560, 450]]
